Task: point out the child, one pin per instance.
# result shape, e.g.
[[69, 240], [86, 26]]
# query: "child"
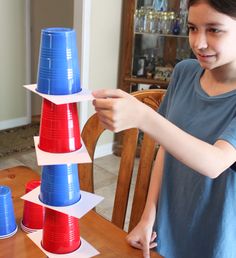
[[193, 184]]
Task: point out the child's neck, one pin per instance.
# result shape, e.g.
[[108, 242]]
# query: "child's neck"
[[216, 82]]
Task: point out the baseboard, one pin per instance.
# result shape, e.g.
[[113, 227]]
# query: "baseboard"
[[7, 124], [103, 150]]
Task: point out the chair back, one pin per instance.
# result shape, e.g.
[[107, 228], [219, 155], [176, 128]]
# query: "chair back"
[[130, 143]]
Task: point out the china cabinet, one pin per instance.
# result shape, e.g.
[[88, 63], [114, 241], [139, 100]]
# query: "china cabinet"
[[153, 39]]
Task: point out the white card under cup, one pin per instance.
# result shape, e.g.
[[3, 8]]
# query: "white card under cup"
[[48, 158], [84, 251], [86, 203], [83, 95]]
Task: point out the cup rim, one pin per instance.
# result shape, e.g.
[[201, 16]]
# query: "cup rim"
[[10, 234], [57, 30], [27, 229]]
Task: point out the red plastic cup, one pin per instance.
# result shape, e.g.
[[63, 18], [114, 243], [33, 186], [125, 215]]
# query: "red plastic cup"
[[61, 233], [33, 213], [59, 128]]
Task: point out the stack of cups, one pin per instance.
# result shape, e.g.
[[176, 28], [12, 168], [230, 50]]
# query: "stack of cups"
[[58, 74], [60, 187], [8, 226], [33, 214]]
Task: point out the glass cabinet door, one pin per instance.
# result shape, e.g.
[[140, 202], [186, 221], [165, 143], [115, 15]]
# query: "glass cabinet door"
[[160, 39]]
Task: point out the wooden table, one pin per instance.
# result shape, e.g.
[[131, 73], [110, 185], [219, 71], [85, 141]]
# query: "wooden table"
[[108, 239]]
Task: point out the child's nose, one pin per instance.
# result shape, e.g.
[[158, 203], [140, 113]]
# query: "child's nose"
[[201, 41]]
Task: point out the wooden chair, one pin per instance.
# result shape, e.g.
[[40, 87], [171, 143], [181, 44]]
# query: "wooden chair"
[[90, 135]]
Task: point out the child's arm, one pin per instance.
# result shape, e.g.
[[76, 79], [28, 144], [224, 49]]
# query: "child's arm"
[[142, 236], [119, 110]]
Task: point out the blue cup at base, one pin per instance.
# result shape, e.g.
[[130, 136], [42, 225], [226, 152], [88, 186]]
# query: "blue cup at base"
[[60, 185], [58, 68], [8, 226]]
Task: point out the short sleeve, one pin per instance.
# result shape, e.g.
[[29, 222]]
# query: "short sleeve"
[[229, 134]]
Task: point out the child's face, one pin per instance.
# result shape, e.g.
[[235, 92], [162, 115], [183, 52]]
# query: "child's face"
[[212, 36]]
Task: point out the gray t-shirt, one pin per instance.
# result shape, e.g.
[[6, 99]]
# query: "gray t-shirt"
[[196, 215]]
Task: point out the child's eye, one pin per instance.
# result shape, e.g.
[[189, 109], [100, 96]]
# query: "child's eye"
[[214, 30], [191, 28]]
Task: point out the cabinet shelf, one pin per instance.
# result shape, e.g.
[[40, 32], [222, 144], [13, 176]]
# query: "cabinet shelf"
[[161, 35], [138, 80]]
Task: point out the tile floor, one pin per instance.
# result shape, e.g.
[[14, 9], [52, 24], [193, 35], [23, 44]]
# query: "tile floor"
[[105, 177]]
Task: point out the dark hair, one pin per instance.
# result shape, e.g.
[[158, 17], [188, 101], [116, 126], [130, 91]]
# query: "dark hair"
[[227, 7]]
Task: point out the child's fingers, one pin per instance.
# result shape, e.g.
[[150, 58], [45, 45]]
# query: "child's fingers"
[[146, 250], [154, 235], [103, 103], [135, 244], [109, 93]]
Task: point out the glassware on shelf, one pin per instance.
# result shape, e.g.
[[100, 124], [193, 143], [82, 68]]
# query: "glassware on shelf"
[[183, 21], [154, 53], [136, 20], [147, 20], [139, 20], [157, 23], [171, 21], [160, 5], [176, 27], [163, 23], [183, 13], [167, 22]]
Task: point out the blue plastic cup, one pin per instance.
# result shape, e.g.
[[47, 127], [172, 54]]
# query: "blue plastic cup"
[[8, 226], [58, 68], [60, 185]]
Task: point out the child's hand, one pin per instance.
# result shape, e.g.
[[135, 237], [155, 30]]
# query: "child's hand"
[[118, 110], [142, 237]]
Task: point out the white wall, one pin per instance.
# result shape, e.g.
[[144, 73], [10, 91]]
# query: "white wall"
[[104, 43], [13, 64], [46, 13], [104, 51]]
